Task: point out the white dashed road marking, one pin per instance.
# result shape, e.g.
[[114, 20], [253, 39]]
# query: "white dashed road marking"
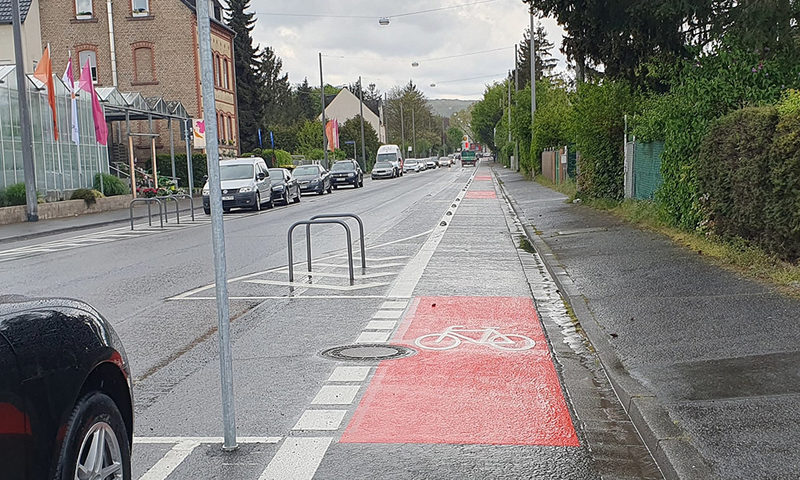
[[297, 459], [320, 420]]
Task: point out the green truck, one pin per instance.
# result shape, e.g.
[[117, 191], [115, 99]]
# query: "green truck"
[[468, 158]]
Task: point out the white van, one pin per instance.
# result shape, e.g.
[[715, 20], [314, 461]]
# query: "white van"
[[392, 154], [245, 183]]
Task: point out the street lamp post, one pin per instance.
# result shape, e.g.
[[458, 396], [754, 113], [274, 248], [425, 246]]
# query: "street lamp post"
[[533, 74], [322, 99], [361, 106], [402, 128], [414, 130]]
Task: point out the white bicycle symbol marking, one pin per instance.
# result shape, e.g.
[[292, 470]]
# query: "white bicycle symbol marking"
[[454, 335]]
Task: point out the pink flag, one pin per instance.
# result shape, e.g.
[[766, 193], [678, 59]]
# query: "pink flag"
[[69, 81], [100, 127]]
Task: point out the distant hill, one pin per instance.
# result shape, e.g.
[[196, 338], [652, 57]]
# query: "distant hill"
[[446, 107]]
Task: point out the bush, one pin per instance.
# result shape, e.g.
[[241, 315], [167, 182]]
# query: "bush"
[[199, 168], [15, 195], [782, 214], [598, 123], [111, 185], [88, 195]]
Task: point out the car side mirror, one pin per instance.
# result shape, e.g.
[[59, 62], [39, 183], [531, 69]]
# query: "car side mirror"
[[205, 178], [261, 176]]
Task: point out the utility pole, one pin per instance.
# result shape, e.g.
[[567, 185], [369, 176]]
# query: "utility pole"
[[217, 231], [385, 117], [516, 101], [509, 114], [402, 128], [533, 74], [322, 99], [29, 170], [414, 131], [363, 145]]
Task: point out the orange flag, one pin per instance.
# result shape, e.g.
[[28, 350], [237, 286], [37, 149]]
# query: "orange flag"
[[44, 73]]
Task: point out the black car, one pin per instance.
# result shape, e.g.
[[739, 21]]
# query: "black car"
[[284, 186], [313, 178], [347, 172], [65, 390]]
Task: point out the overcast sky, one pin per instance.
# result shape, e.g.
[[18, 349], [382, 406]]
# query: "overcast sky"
[[383, 55]]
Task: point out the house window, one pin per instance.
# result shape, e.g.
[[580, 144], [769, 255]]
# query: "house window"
[[225, 73], [231, 136], [83, 9], [141, 8], [219, 72], [143, 65], [91, 56]]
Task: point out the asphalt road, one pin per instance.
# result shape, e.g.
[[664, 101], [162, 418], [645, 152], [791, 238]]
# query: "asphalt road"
[[521, 395]]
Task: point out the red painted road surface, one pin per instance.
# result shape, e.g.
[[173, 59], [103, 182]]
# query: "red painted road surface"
[[469, 394], [480, 178], [480, 194]]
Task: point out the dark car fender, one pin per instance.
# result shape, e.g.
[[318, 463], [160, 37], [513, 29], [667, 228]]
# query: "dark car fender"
[[64, 349]]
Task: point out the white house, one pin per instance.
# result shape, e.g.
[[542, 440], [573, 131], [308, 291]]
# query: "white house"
[[31, 34], [345, 106]]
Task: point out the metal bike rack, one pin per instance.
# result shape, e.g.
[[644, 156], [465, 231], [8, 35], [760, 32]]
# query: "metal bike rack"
[[148, 201], [177, 209], [308, 224], [191, 201], [360, 231]]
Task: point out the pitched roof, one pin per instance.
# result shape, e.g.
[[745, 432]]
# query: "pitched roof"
[[5, 10], [192, 4]]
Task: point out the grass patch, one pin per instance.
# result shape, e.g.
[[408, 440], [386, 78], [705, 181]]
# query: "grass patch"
[[568, 188], [734, 254], [526, 245]]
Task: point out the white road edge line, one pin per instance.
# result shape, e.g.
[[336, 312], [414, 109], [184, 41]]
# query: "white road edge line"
[[170, 440], [298, 459], [170, 461]]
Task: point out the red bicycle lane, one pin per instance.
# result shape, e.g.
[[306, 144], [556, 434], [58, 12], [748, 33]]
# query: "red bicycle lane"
[[473, 393]]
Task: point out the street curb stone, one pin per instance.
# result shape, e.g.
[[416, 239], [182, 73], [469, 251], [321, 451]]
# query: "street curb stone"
[[670, 446]]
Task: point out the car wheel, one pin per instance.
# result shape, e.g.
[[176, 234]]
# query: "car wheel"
[[286, 197], [226, 209], [297, 198], [330, 189], [96, 441], [257, 206], [336, 187], [207, 211]]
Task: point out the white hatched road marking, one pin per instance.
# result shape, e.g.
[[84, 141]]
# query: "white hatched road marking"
[[341, 288], [349, 374], [297, 459], [170, 461], [336, 395], [381, 325], [390, 314], [320, 420], [373, 337], [401, 305]]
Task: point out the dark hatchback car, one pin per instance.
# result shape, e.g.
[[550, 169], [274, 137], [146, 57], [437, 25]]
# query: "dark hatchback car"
[[66, 404], [284, 186], [347, 172], [313, 178]]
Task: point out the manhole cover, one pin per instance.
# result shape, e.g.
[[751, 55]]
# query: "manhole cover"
[[368, 352]]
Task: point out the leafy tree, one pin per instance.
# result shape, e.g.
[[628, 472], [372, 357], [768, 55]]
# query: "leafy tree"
[[488, 112], [309, 137], [276, 91], [351, 130], [454, 138], [417, 117]]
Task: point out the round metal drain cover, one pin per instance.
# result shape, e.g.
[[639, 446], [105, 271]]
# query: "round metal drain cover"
[[368, 352]]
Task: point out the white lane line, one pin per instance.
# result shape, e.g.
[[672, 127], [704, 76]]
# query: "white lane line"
[[390, 305], [373, 337], [291, 297], [170, 440], [297, 459], [349, 374], [388, 314], [336, 395], [381, 325], [320, 420], [409, 277], [369, 265], [340, 288], [344, 275], [170, 461]]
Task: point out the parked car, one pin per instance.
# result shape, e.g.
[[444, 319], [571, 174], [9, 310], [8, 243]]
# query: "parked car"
[[347, 172], [245, 183], [313, 178], [393, 155], [66, 402], [383, 170], [431, 163], [445, 162], [284, 186], [412, 165]]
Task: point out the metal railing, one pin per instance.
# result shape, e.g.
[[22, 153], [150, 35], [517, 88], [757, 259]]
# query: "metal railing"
[[360, 231], [149, 201], [177, 209], [308, 224], [191, 202]]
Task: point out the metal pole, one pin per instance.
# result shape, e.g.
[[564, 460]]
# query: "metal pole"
[[322, 99], [516, 101], [32, 207], [509, 118], [385, 117], [363, 145], [171, 147], [533, 74], [217, 228], [189, 159], [131, 162], [402, 130], [414, 131]]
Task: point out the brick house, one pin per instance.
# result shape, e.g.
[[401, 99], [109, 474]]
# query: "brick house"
[[152, 49]]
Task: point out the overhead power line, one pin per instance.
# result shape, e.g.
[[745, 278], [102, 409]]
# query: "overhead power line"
[[372, 17]]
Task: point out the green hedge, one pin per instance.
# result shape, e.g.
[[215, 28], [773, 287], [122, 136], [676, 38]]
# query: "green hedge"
[[748, 178], [199, 168], [111, 185], [13, 195]]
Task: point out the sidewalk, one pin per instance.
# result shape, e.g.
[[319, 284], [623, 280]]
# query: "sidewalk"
[[26, 230], [705, 362]]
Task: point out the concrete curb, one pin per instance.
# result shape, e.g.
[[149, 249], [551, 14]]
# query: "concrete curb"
[[77, 228], [670, 446]]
